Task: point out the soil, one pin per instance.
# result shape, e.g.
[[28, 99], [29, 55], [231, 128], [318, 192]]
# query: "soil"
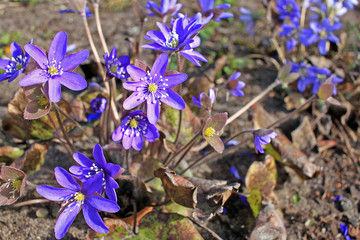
[[307, 207]]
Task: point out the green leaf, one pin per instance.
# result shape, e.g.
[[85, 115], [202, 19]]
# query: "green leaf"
[[8, 154]]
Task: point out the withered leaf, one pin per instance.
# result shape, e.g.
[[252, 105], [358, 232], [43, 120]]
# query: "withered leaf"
[[178, 189], [262, 176], [303, 136], [211, 197], [33, 158], [268, 225]]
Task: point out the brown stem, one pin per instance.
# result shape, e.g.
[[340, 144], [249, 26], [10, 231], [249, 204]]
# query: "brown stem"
[[59, 134], [99, 28]]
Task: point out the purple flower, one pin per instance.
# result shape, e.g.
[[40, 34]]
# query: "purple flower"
[[180, 38], [288, 9], [116, 67], [235, 85], [235, 172], [153, 86], [218, 11], [320, 32], [166, 8], [133, 128], [290, 31], [350, 4], [205, 101], [249, 18], [263, 136], [98, 105], [76, 196], [87, 12], [55, 68], [88, 169], [13, 68]]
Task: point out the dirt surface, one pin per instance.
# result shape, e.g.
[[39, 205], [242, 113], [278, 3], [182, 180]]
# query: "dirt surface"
[[307, 207]]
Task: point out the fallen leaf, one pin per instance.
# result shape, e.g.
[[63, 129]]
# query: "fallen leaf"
[[8, 154], [268, 225], [303, 136], [33, 158]]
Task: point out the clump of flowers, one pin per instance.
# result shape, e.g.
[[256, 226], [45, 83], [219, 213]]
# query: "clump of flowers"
[[154, 87], [14, 67], [88, 169], [116, 67], [76, 196], [133, 128], [55, 69]]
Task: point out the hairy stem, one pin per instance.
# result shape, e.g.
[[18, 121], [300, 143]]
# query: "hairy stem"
[[67, 139]]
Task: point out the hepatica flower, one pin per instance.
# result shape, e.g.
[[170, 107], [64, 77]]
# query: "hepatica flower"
[[166, 8], [207, 7], [154, 87], [249, 18], [320, 32], [288, 9], [235, 85], [55, 68], [263, 136], [180, 38], [88, 169], [133, 128], [205, 100], [98, 105], [290, 31], [13, 186], [213, 129], [77, 196], [13, 68], [116, 67], [39, 104]]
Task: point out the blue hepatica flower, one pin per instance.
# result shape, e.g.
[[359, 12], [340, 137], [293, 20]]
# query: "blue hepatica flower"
[[13, 68], [350, 4], [288, 9], [249, 18], [207, 7], [116, 67], [55, 68], [205, 100], [290, 31], [166, 8], [180, 38], [344, 229], [98, 105], [153, 86], [320, 32], [235, 85], [313, 75], [88, 169], [87, 12], [76, 196], [133, 128], [263, 136]]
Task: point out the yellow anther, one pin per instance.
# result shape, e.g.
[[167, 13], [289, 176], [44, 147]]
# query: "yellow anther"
[[323, 34], [16, 184], [53, 71], [209, 132], [79, 197], [152, 87], [134, 123]]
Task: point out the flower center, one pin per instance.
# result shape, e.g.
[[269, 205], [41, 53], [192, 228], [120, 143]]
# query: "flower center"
[[15, 186], [173, 40], [152, 87], [53, 71], [134, 123], [79, 197], [323, 34], [19, 66], [209, 132], [113, 68]]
